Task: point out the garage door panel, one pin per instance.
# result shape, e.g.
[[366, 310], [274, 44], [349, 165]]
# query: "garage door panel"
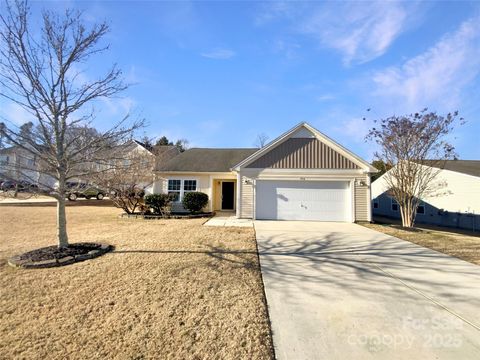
[[302, 200]]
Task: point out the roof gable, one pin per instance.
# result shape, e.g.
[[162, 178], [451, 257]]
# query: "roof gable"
[[303, 133], [303, 153], [307, 148]]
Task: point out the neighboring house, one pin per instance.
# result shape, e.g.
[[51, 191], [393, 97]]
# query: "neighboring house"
[[133, 165], [20, 165], [162, 154], [301, 175], [455, 203]]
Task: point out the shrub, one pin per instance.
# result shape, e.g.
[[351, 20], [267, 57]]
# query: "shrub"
[[128, 198], [158, 202], [195, 201]]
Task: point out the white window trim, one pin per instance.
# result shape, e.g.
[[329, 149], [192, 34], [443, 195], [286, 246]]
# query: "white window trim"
[[175, 191], [182, 190]]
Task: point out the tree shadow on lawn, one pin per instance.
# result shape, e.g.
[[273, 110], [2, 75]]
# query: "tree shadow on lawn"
[[354, 266], [239, 258]]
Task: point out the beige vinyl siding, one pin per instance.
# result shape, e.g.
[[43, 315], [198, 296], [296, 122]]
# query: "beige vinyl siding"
[[361, 200], [246, 208], [303, 153], [203, 185]]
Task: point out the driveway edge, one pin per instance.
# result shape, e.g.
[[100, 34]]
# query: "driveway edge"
[[264, 297]]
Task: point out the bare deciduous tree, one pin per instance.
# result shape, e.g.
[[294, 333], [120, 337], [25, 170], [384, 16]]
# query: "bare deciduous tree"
[[417, 145], [261, 140], [39, 71], [127, 179]]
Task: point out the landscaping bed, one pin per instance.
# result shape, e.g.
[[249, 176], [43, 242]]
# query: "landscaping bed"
[[168, 216], [52, 256]]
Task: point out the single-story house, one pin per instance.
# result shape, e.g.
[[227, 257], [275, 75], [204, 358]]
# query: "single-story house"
[[454, 203], [301, 175]]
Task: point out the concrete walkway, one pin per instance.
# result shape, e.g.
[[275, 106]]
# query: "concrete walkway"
[[228, 219], [342, 291]]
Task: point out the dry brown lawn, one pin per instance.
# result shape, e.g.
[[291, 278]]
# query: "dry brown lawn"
[[171, 289], [458, 244]]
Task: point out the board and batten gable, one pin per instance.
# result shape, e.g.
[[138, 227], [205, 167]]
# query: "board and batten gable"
[[303, 153], [305, 156]]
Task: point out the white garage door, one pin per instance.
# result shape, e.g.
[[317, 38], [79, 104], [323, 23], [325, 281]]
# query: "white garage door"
[[303, 200]]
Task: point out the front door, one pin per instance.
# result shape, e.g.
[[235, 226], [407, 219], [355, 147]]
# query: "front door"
[[228, 192]]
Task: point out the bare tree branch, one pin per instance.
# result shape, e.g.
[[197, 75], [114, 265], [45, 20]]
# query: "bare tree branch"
[[261, 140], [39, 71], [416, 144]]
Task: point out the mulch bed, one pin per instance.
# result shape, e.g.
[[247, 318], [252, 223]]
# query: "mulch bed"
[[52, 256], [169, 216]]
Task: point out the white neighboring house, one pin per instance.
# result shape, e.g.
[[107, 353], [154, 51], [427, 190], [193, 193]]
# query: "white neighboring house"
[[138, 148], [456, 204], [161, 153], [20, 165]]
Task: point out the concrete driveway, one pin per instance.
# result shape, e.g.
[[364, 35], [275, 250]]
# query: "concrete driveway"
[[342, 291]]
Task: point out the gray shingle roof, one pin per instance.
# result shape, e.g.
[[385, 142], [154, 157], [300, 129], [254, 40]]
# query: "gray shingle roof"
[[469, 167], [206, 160]]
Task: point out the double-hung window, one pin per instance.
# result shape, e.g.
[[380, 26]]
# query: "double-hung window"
[[174, 189], [178, 188], [189, 185], [394, 205]]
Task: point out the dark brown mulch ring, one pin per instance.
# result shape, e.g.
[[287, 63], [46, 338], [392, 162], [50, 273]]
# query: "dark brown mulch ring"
[[53, 252], [52, 256]]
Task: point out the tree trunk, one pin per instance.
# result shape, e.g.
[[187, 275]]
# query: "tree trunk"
[[61, 223], [405, 211], [408, 211], [402, 215]]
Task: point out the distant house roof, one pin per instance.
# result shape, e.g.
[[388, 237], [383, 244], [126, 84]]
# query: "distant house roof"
[[206, 160], [469, 167], [164, 153], [143, 145], [8, 150], [162, 149]]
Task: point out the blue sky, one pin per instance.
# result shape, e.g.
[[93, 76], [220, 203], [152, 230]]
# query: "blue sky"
[[219, 73]]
